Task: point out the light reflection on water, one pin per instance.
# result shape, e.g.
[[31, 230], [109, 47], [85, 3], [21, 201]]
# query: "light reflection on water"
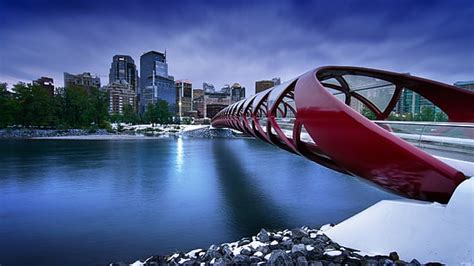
[[89, 202]]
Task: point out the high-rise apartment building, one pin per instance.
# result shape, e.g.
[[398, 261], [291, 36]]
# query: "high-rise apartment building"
[[155, 83], [120, 95], [85, 80], [123, 68], [184, 97], [46, 84]]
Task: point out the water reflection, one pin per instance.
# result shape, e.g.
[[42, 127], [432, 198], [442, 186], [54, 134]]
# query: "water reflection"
[[245, 201]]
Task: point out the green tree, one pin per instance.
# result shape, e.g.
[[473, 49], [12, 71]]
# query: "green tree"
[[426, 114], [129, 115], [158, 113], [97, 109], [441, 117], [163, 112], [36, 106], [368, 113], [8, 107]]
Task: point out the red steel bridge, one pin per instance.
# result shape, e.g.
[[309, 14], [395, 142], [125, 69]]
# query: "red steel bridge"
[[323, 115]]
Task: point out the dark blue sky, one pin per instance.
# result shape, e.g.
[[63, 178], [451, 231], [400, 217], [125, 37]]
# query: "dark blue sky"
[[237, 41]]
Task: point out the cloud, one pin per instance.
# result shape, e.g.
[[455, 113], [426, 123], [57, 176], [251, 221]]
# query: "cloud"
[[240, 41]]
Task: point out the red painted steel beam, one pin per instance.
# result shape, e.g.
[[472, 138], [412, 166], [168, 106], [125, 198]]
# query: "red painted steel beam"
[[328, 131]]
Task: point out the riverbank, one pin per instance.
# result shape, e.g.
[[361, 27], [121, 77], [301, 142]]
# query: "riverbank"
[[299, 246], [121, 132]]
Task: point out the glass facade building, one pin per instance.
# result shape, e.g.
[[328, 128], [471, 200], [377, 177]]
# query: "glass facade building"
[[155, 83], [123, 68]]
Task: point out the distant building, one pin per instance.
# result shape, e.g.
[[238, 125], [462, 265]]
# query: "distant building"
[[237, 93], [45, 83], [197, 93], [120, 94], [85, 80], [266, 84], [123, 68], [468, 85], [184, 97], [208, 87], [155, 83], [213, 102], [198, 106]]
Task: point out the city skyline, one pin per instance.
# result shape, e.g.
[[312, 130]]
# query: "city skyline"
[[223, 42]]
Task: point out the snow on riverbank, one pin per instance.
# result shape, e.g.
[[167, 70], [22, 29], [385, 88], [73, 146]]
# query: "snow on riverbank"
[[299, 246]]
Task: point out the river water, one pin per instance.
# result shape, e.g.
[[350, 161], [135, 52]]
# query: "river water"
[[82, 202]]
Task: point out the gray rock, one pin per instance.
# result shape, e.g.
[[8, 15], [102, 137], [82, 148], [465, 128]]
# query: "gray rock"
[[246, 251], [315, 254], [240, 259], [322, 238], [244, 241], [370, 262], [276, 237], [287, 244], [298, 233], [254, 259], [301, 261], [307, 241], [315, 263], [190, 262], [414, 262], [264, 249], [263, 236], [300, 248], [223, 261], [226, 251], [394, 256], [279, 257]]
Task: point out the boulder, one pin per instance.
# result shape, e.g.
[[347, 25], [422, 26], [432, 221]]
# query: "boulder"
[[301, 261], [263, 236], [240, 259], [298, 233], [279, 257]]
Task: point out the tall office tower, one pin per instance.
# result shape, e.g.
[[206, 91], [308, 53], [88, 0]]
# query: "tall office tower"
[[155, 83], [46, 84], [237, 93], [85, 80], [123, 68], [184, 97]]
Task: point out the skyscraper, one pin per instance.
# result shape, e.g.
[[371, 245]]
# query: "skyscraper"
[[123, 68], [184, 94], [155, 83]]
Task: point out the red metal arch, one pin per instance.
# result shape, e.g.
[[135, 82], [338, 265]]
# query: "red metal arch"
[[329, 132]]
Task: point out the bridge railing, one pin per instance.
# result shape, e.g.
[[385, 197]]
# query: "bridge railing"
[[443, 139]]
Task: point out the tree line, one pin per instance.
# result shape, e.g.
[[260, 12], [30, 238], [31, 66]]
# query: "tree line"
[[29, 105]]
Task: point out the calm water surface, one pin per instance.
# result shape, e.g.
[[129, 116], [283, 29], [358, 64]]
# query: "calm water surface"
[[78, 202]]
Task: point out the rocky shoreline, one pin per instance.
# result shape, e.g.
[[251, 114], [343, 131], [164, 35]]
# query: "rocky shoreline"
[[299, 246], [152, 132], [42, 133]]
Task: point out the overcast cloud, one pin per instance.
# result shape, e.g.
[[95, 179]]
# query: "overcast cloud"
[[224, 42]]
